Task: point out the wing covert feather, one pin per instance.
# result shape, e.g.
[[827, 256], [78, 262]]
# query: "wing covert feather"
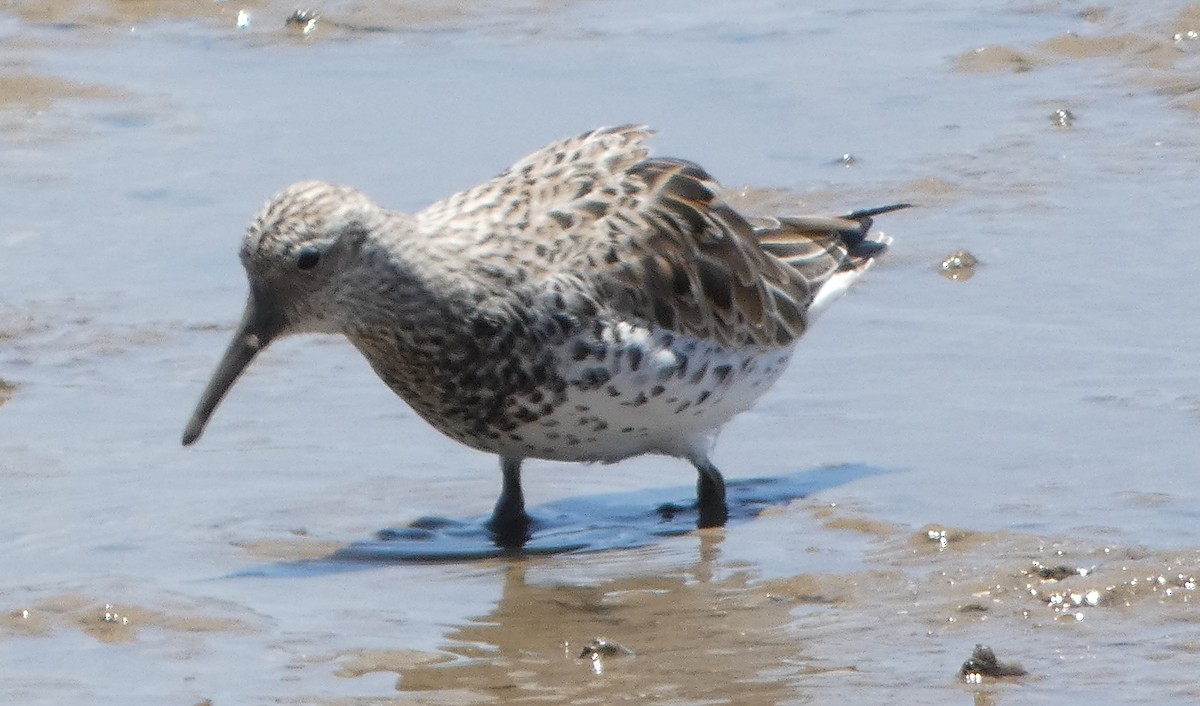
[[651, 238]]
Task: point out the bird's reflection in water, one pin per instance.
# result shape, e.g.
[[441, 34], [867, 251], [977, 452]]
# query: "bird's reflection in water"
[[697, 633]]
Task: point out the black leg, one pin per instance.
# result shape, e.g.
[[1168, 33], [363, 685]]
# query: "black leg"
[[509, 523], [710, 489]]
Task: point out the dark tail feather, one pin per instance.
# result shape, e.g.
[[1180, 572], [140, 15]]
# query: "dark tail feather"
[[877, 211], [818, 246], [856, 240]]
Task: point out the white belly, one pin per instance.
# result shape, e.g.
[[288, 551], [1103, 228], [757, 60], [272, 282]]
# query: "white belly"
[[646, 391]]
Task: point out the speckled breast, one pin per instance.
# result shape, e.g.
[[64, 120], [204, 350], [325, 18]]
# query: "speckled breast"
[[633, 390]]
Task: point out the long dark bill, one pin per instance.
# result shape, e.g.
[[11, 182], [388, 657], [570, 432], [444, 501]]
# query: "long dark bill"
[[261, 323]]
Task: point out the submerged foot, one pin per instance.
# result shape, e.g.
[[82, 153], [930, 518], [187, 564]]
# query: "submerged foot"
[[510, 530], [712, 514]]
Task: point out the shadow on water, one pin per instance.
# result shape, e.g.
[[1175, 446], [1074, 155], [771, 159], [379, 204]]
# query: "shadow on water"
[[590, 523]]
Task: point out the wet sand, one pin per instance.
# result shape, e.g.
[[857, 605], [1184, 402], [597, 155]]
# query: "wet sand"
[[1003, 458]]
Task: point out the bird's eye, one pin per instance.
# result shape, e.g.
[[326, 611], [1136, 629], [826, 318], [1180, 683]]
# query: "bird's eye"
[[309, 257]]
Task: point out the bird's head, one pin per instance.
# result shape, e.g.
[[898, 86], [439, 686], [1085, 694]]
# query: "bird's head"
[[296, 252]]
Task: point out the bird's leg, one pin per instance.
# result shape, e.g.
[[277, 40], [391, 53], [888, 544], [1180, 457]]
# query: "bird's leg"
[[710, 489], [509, 523]]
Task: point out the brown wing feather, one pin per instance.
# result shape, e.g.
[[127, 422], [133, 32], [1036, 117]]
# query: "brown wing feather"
[[649, 238], [691, 263]]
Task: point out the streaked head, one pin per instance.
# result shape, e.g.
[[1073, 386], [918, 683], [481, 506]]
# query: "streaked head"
[[294, 252]]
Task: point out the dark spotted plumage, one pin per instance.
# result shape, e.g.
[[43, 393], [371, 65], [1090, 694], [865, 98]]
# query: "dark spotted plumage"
[[590, 303]]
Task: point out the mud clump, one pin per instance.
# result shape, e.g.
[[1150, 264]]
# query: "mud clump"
[[1055, 573], [600, 648], [1062, 118], [995, 59], [984, 663], [958, 266]]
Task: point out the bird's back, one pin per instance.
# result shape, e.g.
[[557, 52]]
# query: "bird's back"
[[650, 236]]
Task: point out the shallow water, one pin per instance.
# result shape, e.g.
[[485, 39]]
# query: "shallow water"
[[1044, 410]]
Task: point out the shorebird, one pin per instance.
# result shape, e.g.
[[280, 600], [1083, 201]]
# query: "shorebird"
[[591, 303]]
